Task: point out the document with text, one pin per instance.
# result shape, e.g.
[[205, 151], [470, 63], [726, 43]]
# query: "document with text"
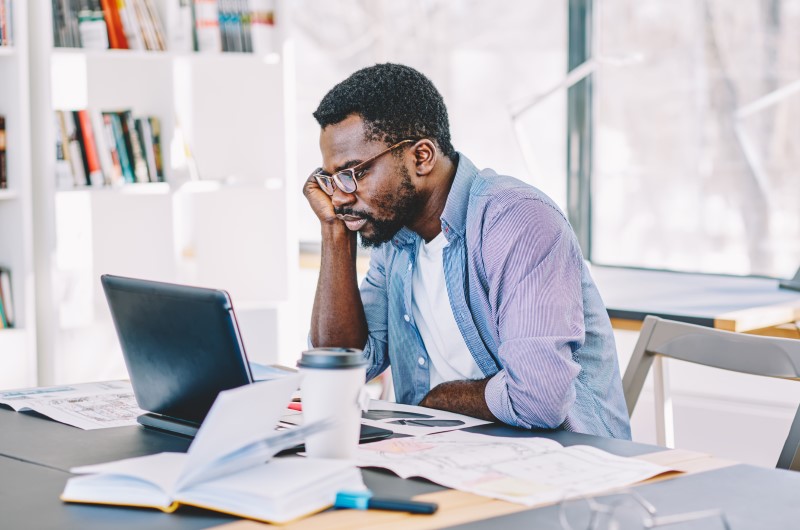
[[86, 406], [529, 471]]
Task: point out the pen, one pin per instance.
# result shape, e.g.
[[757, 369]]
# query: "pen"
[[364, 500]]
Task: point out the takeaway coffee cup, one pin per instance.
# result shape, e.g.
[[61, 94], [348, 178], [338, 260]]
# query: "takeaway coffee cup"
[[333, 390]]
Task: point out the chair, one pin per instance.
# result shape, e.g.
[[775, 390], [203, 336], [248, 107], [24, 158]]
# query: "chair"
[[749, 354]]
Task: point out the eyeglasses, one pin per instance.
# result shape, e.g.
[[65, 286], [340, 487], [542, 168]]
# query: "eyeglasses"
[[628, 509], [347, 179]]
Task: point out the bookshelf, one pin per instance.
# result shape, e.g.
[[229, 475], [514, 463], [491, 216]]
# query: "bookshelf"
[[17, 344], [231, 229]]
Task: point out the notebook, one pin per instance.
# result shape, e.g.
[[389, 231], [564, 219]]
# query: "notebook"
[[182, 347], [229, 466]]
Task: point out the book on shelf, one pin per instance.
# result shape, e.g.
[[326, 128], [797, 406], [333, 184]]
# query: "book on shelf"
[[71, 148], [107, 148], [134, 146], [3, 161], [229, 466], [206, 26], [179, 26], [155, 130], [6, 26], [7, 315], [116, 137], [92, 26], [262, 26], [116, 33], [102, 24], [89, 152]]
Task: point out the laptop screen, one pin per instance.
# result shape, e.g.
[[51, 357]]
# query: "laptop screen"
[[181, 344]]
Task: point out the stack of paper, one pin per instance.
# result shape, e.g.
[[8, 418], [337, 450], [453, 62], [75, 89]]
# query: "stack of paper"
[[530, 471]]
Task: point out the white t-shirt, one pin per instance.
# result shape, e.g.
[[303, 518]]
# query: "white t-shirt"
[[450, 358]]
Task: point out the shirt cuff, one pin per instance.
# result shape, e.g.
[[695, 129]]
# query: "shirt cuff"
[[496, 395]]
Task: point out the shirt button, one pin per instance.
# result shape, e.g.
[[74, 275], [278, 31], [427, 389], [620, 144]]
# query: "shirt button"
[[421, 361], [410, 266], [408, 318]]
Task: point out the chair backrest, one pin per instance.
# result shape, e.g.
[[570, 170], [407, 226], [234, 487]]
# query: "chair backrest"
[[750, 354]]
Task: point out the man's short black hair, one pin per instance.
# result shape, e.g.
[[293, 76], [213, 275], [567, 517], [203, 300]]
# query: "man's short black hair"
[[395, 101]]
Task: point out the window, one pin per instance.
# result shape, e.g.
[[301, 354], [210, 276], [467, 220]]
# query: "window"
[[696, 152]]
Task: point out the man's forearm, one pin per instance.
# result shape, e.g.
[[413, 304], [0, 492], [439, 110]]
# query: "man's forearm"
[[338, 315], [462, 397]]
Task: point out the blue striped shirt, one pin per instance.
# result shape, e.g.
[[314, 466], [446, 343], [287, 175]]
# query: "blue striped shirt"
[[523, 300]]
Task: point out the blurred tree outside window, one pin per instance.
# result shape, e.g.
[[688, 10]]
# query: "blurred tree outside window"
[[696, 157]]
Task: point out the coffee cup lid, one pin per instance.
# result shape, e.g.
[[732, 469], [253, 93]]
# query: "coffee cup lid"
[[332, 358]]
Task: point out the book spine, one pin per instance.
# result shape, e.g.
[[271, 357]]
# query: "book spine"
[[262, 26], [81, 147], [130, 26], [123, 148], [3, 24], [3, 161], [158, 26], [63, 170], [207, 28], [116, 34], [179, 26], [155, 129], [247, 41], [135, 152], [103, 150], [3, 322], [111, 144], [73, 148], [5, 296], [146, 141], [92, 26], [72, 24], [93, 169]]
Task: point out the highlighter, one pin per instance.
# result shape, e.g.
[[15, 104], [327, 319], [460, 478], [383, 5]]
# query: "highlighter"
[[364, 500]]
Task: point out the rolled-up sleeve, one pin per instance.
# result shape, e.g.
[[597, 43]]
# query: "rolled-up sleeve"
[[534, 274]]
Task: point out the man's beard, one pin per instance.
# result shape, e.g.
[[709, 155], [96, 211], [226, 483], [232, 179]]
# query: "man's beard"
[[405, 204]]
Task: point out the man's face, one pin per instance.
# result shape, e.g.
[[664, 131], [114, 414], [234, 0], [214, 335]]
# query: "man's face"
[[386, 199]]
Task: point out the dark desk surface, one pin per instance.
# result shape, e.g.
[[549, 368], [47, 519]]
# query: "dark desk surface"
[[733, 303], [36, 454]]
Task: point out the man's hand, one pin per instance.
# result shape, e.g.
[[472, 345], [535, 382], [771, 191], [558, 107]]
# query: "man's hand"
[[320, 201], [461, 397]]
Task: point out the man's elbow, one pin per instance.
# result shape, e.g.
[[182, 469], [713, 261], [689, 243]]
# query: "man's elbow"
[[547, 412]]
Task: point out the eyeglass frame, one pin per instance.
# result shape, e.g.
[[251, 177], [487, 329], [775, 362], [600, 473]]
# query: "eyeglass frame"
[[334, 181], [651, 520]]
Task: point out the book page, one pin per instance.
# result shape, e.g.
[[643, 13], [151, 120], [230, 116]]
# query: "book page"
[[86, 406], [161, 470], [279, 491], [530, 471], [239, 417]]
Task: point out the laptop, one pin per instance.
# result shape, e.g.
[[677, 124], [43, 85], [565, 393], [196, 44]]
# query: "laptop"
[[182, 347]]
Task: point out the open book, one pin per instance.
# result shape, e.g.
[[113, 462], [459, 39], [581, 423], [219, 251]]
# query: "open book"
[[228, 467]]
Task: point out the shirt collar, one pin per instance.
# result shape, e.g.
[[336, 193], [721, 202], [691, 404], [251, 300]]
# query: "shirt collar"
[[455, 209]]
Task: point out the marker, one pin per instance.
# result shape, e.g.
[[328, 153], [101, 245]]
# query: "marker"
[[363, 500]]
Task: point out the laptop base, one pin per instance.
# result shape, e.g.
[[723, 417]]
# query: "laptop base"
[[169, 425]]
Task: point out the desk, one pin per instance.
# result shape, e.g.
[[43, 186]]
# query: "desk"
[[35, 454], [732, 303]]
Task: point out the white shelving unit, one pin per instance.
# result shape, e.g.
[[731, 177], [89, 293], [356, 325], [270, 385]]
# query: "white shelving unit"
[[18, 344], [229, 230]]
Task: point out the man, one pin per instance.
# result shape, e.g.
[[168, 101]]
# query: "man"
[[477, 294]]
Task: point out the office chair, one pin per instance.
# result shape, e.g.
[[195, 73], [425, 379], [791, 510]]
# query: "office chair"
[[749, 354]]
